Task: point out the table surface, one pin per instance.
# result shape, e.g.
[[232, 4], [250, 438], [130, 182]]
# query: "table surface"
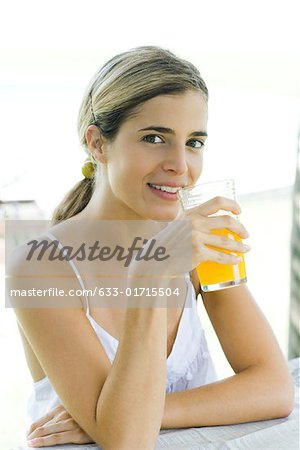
[[278, 434]]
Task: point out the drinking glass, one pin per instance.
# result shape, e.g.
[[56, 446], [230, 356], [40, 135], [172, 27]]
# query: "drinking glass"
[[214, 276]]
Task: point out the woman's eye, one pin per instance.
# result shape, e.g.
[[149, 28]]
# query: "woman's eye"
[[198, 144], [151, 139], [155, 139]]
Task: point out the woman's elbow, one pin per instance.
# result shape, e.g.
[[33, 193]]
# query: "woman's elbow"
[[284, 398]]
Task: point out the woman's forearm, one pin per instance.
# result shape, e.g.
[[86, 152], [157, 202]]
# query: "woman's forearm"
[[131, 403], [253, 394]]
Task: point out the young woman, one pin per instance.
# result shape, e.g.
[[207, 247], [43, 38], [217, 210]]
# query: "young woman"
[[116, 376]]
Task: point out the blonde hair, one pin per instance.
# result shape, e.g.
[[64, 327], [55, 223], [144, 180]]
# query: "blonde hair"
[[116, 92]]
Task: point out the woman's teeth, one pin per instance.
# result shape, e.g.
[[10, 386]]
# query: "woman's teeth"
[[172, 190]]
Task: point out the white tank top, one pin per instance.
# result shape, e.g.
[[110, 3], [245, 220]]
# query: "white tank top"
[[189, 364]]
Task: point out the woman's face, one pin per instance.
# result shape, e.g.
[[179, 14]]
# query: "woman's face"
[[162, 145]]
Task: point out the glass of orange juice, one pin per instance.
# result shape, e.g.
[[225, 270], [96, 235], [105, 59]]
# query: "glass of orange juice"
[[214, 276]]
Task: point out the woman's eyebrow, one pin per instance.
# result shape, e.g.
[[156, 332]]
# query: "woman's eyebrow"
[[170, 131]]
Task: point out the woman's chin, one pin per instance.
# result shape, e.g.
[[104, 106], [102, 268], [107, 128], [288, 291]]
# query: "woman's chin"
[[166, 216]]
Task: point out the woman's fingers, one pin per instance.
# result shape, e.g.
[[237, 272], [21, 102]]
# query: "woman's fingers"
[[227, 243], [226, 221], [62, 415], [56, 427], [203, 219], [208, 254], [52, 415], [53, 427], [76, 436], [216, 204], [42, 421]]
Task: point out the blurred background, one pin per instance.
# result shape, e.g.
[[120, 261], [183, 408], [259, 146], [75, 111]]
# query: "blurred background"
[[248, 54]]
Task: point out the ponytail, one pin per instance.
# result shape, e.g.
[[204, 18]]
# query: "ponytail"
[[75, 201]]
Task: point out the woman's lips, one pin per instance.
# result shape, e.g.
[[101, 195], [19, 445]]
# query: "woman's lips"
[[163, 194]]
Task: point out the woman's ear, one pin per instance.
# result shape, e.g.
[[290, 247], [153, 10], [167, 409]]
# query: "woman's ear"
[[96, 143]]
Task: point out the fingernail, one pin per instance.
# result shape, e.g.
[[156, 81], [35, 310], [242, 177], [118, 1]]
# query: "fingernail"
[[247, 247], [32, 442]]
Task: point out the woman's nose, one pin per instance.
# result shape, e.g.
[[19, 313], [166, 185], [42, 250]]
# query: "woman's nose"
[[176, 160]]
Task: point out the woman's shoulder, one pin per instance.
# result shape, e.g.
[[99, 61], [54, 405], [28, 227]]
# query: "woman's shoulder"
[[31, 252], [39, 242], [36, 276]]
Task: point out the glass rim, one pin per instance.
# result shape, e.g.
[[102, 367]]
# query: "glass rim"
[[189, 188], [189, 197]]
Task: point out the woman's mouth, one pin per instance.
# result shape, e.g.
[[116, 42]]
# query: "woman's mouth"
[[164, 192]]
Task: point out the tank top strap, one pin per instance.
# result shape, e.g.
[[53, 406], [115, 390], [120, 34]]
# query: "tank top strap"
[[78, 276], [191, 293], [187, 276]]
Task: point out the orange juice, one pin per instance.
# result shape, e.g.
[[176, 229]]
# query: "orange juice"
[[214, 276]]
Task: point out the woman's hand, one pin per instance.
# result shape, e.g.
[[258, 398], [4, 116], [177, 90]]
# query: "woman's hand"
[[205, 243], [56, 427], [189, 240]]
